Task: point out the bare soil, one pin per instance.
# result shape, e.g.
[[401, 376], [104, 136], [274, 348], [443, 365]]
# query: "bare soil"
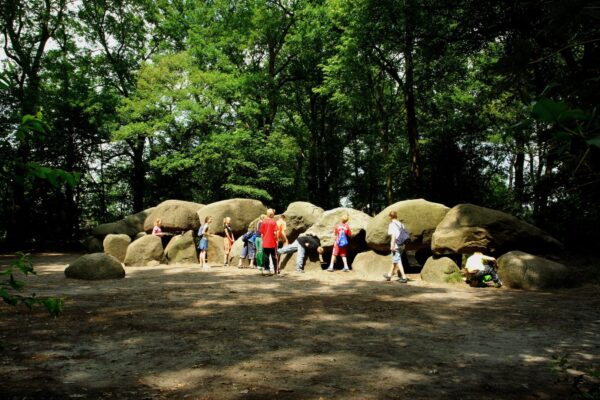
[[178, 332]]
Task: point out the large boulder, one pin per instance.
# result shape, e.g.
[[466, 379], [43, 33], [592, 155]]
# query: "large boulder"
[[92, 244], [182, 249], [441, 270], [241, 211], [215, 252], [236, 250], [324, 226], [145, 251], [419, 216], [116, 245], [521, 270], [129, 225], [300, 216], [95, 266], [176, 216], [371, 265], [467, 228]]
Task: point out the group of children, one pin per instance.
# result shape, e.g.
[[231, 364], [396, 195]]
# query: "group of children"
[[268, 241], [263, 245]]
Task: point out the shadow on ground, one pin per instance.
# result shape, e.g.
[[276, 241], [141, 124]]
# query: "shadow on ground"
[[179, 332]]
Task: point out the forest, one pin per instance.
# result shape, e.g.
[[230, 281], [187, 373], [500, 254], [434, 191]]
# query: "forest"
[[110, 107]]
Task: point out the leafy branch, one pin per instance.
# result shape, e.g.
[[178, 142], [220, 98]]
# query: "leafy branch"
[[11, 288]]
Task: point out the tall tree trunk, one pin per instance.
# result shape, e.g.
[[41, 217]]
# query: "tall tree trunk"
[[19, 222], [29, 58], [519, 178], [139, 173], [409, 102]]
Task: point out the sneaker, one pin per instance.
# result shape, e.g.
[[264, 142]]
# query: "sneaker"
[[330, 269], [402, 280], [346, 269], [300, 271], [226, 265], [387, 277], [498, 284]]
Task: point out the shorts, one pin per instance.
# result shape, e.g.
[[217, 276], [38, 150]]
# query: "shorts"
[[248, 251], [397, 255], [339, 251], [226, 245], [203, 245]]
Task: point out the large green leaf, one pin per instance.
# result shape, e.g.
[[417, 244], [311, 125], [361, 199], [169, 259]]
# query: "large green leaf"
[[595, 141], [548, 110]]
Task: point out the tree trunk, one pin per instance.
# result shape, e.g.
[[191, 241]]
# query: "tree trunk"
[[409, 102], [17, 231], [139, 173], [519, 186]]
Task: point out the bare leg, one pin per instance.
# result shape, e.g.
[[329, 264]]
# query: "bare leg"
[[393, 270], [401, 270], [203, 259], [331, 263]]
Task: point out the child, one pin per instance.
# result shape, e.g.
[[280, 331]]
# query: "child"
[[338, 249], [268, 231], [203, 245], [227, 240], [394, 229], [157, 230], [282, 239], [304, 243], [478, 264], [248, 249]]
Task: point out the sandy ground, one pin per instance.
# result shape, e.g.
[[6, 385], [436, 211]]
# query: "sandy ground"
[[172, 332]]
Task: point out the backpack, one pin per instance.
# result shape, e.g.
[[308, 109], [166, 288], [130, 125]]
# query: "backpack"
[[248, 237], [342, 240], [403, 235]]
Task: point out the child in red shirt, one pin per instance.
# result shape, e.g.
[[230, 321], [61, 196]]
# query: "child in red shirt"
[[268, 230], [337, 249]]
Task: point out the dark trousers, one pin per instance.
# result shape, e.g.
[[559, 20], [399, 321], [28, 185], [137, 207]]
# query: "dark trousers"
[[270, 253], [487, 271]]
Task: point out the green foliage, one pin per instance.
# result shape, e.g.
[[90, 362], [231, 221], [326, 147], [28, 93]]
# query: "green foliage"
[[11, 288], [363, 102], [455, 277], [585, 379]]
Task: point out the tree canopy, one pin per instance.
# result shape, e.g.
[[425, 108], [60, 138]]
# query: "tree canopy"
[[363, 103]]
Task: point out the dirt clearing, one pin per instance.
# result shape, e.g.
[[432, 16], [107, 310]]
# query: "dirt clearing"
[[172, 332]]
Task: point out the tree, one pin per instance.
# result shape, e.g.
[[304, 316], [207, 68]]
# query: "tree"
[[188, 117], [26, 28], [125, 33]]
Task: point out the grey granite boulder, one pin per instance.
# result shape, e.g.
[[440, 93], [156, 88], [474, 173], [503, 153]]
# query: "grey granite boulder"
[[300, 216], [129, 225], [358, 222], [182, 249], [116, 245], [467, 228], [419, 216], [95, 266], [521, 270], [145, 251], [441, 270], [176, 216], [241, 211]]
